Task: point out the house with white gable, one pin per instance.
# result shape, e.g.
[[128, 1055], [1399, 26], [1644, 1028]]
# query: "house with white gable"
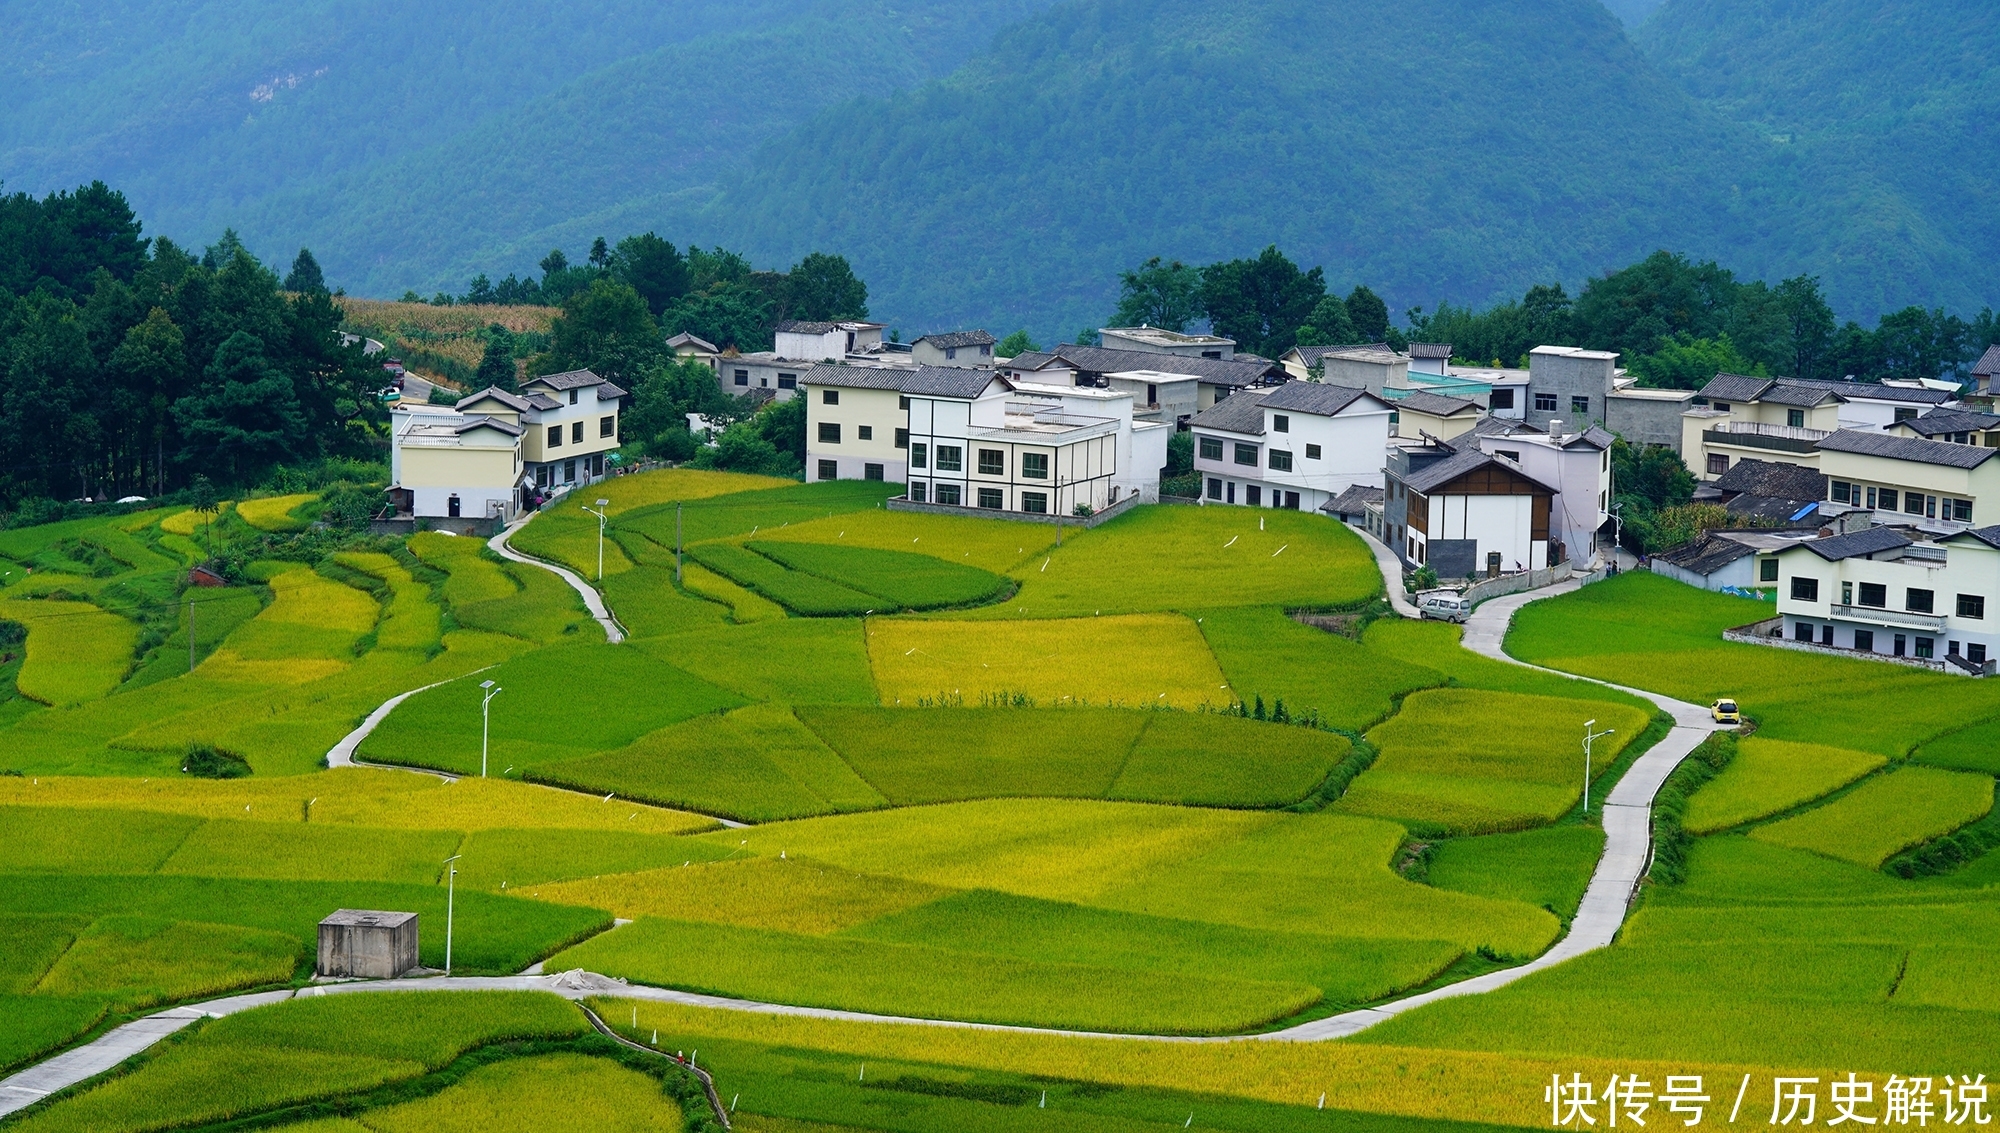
[[1296, 446]]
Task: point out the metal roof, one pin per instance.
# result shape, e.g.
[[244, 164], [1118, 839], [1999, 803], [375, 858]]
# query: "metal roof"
[[1430, 350]]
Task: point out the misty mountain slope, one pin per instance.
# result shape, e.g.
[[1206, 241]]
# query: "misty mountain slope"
[[1436, 148]]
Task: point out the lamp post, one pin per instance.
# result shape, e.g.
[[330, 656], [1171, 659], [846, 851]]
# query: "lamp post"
[[190, 632], [600, 537], [486, 721], [677, 544], [450, 906], [1588, 737]]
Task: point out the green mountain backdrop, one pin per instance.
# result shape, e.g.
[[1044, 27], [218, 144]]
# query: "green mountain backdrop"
[[996, 162]]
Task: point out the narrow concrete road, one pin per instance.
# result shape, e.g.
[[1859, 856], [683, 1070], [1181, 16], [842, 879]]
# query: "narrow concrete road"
[[1392, 574], [592, 600], [342, 754]]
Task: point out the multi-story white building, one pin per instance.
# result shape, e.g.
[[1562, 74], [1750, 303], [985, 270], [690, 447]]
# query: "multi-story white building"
[[1878, 591], [857, 423], [447, 462], [1578, 466], [820, 342], [1297, 446], [570, 423]]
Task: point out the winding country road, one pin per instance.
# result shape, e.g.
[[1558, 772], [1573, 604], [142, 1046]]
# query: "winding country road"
[[1627, 817], [592, 600]]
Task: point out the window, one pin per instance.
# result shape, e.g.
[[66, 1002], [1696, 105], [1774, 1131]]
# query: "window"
[[1035, 503], [1312, 452], [986, 352], [1958, 510], [1796, 418], [951, 352], [1803, 631], [947, 494], [992, 462], [1905, 415], [829, 397], [1511, 454], [607, 426], [1502, 399], [992, 498], [1864, 640], [1976, 654], [1925, 647], [918, 454], [1718, 463], [1280, 423], [1919, 601], [569, 471], [1246, 454], [1720, 407], [1580, 405], [829, 470], [1847, 594], [1886, 499], [902, 438], [1805, 589], [1826, 635], [1281, 461], [829, 432], [1843, 492], [1875, 595], [950, 458], [555, 436], [1152, 392], [871, 472], [742, 377], [917, 491], [864, 432], [1545, 403], [572, 397], [576, 432], [788, 381], [1913, 503], [1767, 571], [1211, 448], [1214, 488], [902, 403], [1253, 495], [1972, 606], [1900, 645], [1034, 466]]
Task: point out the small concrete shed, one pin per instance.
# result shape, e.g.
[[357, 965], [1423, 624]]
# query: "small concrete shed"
[[367, 944]]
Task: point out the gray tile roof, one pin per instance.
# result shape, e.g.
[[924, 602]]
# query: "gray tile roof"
[[1987, 535], [1797, 393], [1451, 468], [795, 326], [1906, 448], [1430, 350], [1855, 544], [1988, 364], [1734, 387], [958, 338], [480, 422], [1435, 404], [1705, 555], [947, 381], [1774, 509], [1770, 478], [1315, 398], [1876, 391], [686, 339], [1099, 360], [1353, 500], [857, 377], [1594, 437], [1031, 359], [1489, 426], [1240, 412], [540, 400], [607, 392], [1941, 421], [571, 379], [511, 401]]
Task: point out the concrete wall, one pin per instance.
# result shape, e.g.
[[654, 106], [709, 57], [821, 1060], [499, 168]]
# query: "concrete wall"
[[1568, 376], [366, 944], [1648, 420]]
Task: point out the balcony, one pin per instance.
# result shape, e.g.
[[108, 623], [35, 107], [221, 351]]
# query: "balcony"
[[1753, 434], [1895, 619]]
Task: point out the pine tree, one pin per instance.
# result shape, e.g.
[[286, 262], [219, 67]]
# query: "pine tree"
[[305, 276]]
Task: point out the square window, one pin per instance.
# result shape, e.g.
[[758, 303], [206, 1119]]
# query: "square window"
[[902, 403], [1502, 399], [1246, 454], [1842, 491], [1961, 511], [742, 377], [917, 491], [1545, 403], [902, 438], [788, 381], [919, 454], [829, 432], [871, 472], [1913, 503], [1864, 640], [555, 436], [1718, 463], [1886, 499], [1280, 423], [1768, 570], [1214, 488], [1926, 647], [1281, 461], [1972, 606], [1211, 448], [1034, 466], [1803, 631], [826, 396], [1796, 418], [1253, 495], [576, 432], [864, 432], [1035, 503], [1312, 452], [992, 462], [1905, 415], [947, 494], [1875, 595], [607, 426], [1976, 654], [1580, 405], [950, 458], [992, 498], [1919, 601], [1805, 589], [829, 470]]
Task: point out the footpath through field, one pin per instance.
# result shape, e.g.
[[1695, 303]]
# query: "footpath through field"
[[592, 600], [1627, 816]]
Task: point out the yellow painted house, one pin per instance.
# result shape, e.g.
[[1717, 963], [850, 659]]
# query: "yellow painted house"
[[495, 454]]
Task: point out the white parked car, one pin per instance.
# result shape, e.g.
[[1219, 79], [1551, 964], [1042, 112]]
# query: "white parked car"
[[1444, 605]]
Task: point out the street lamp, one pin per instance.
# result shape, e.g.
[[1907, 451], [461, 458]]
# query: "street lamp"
[[487, 717], [600, 537], [1589, 736], [450, 904]]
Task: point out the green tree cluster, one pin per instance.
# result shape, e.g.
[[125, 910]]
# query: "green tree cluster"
[[1264, 302], [129, 365]]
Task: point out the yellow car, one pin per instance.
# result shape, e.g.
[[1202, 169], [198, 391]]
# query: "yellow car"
[[1725, 712]]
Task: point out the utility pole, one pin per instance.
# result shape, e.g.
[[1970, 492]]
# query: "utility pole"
[[600, 537], [190, 631], [1588, 737]]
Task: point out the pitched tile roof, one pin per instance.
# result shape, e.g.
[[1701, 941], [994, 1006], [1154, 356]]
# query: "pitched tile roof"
[[479, 422], [1940, 453], [1594, 437], [1734, 387], [1939, 422], [1430, 350], [1353, 500], [1797, 393], [796, 326], [511, 401], [1315, 398], [858, 377], [570, 379], [1987, 535], [1854, 544], [1437, 405], [1988, 364], [686, 339], [1775, 509], [1451, 468], [948, 381], [1240, 412], [540, 400], [607, 391], [1770, 478], [1101, 360], [1705, 555], [958, 338]]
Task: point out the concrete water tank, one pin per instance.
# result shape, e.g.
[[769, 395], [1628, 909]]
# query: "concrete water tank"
[[367, 944]]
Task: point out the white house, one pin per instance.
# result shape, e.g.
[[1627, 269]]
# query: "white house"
[[447, 464], [1158, 395], [958, 348], [856, 423], [819, 342], [571, 422], [1466, 513], [1297, 446], [1878, 591], [1577, 466]]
